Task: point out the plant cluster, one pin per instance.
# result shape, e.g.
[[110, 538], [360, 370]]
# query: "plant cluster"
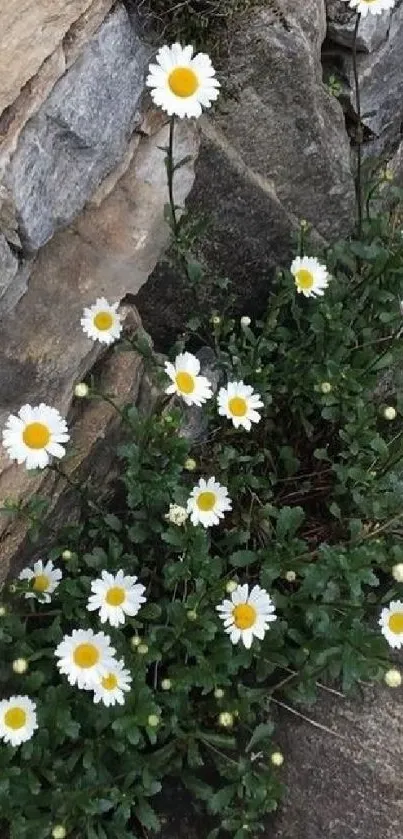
[[155, 637]]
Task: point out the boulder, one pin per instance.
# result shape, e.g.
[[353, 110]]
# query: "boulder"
[[80, 133], [341, 19]]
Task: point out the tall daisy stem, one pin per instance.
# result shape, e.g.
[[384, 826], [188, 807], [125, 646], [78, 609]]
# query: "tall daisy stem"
[[170, 174], [359, 134]]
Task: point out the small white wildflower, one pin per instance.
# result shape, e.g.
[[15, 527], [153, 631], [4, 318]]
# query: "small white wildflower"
[[190, 464], [176, 515], [393, 678], [135, 641], [291, 576], [397, 572], [20, 666], [166, 684], [216, 320], [59, 832], [66, 555], [81, 390], [277, 759], [218, 693], [245, 321], [225, 719], [326, 387], [153, 721], [142, 649], [231, 586], [390, 413]]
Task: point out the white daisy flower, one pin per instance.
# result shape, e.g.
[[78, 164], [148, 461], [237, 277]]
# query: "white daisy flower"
[[110, 687], [376, 7], [181, 83], [238, 402], [35, 436], [247, 615], [311, 278], [43, 579], [176, 515], [391, 623], [85, 656], [115, 597], [208, 502], [17, 719], [101, 321], [186, 382]]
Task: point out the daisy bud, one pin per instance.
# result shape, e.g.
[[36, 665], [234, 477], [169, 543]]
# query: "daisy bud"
[[135, 641], [59, 832], [20, 666], [390, 413], [397, 572], [12, 588], [215, 320], [66, 555], [388, 174], [192, 615], [176, 515], [245, 321], [190, 464], [218, 693], [304, 224], [325, 387], [142, 649], [3, 611], [81, 390], [153, 721], [166, 684], [393, 678], [290, 576], [225, 719], [277, 759], [231, 586], [258, 370]]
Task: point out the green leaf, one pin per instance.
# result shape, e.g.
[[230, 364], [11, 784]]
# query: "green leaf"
[[220, 800], [146, 815], [288, 521], [240, 559], [262, 732]]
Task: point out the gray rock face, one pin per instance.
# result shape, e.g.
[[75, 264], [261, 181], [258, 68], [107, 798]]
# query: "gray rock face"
[[8, 266], [80, 133], [372, 32]]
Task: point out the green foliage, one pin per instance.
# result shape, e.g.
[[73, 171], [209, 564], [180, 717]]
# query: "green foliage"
[[317, 495]]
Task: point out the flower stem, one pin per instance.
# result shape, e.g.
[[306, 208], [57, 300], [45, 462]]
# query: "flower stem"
[[359, 134], [170, 174]]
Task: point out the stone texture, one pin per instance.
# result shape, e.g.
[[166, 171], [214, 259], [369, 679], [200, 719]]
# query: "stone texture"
[[381, 88], [8, 266], [372, 31], [110, 250], [80, 133], [38, 88], [21, 53], [298, 142]]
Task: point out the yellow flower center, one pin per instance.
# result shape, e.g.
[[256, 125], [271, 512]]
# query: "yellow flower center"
[[244, 616], [109, 682], [41, 582], [185, 382], [396, 623], [115, 596], [103, 321], [36, 435], [86, 655], [15, 717], [183, 82], [206, 501], [304, 279], [238, 406]]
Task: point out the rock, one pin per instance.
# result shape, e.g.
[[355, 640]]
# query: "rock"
[[109, 251], [381, 88], [347, 783], [80, 133], [8, 266], [21, 53], [372, 31]]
